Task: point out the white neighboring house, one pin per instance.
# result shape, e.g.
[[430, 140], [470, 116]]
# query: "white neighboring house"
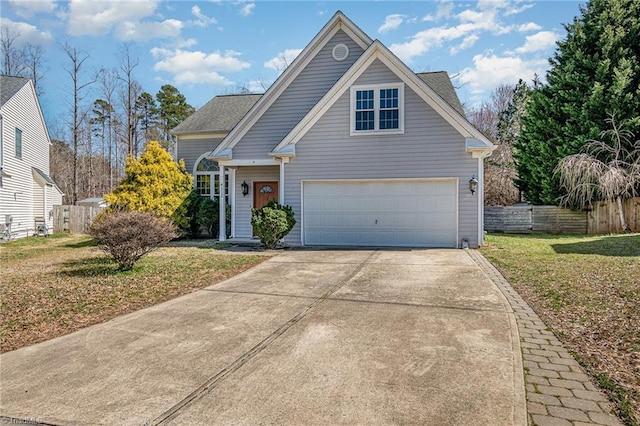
[[27, 192]]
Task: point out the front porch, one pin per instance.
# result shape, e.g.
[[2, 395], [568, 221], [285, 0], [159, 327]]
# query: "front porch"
[[261, 183]]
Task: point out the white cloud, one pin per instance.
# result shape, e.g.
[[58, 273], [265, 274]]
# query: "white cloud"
[[123, 18], [529, 26], [485, 17], [391, 22], [197, 67], [426, 40], [203, 20], [466, 43], [489, 71], [88, 17], [538, 41], [26, 33], [256, 86], [247, 9], [282, 60], [144, 31], [444, 10], [28, 8], [515, 10]]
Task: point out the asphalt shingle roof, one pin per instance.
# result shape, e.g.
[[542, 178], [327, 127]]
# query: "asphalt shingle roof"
[[9, 86], [439, 81], [220, 114]]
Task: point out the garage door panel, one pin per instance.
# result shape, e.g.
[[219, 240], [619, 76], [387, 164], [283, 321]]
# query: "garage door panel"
[[393, 213]]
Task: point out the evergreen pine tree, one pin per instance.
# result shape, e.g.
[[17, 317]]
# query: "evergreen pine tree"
[[595, 73]]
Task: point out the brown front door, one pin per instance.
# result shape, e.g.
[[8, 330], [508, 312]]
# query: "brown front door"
[[263, 192]]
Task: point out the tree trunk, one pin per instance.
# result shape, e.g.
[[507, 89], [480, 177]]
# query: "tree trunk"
[[623, 222]]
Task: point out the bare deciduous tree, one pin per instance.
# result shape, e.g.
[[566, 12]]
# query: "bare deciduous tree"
[[499, 173], [608, 169], [131, 91], [12, 57], [77, 60], [21, 60]]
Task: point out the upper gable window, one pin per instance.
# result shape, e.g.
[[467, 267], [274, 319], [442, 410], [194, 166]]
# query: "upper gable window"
[[377, 109], [18, 143]]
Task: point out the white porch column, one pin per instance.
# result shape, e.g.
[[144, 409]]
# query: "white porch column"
[[283, 161], [222, 236], [232, 200]]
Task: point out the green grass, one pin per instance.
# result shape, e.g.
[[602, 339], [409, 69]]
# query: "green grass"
[[587, 289], [53, 286]]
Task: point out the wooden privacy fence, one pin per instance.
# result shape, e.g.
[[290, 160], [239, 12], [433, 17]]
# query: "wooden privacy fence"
[[73, 219], [603, 218]]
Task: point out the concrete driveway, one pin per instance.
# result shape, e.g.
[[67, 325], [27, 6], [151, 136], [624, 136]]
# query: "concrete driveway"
[[307, 337]]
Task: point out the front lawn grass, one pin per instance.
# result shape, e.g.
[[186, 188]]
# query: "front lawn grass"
[[54, 286], [587, 289]]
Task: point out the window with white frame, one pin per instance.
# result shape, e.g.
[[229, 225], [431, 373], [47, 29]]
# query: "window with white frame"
[[377, 109], [207, 179], [18, 143]]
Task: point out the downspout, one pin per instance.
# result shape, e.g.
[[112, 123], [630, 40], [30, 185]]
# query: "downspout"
[[1, 149]]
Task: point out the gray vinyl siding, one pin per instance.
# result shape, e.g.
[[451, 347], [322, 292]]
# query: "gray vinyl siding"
[[296, 100], [244, 204], [191, 149], [429, 148]]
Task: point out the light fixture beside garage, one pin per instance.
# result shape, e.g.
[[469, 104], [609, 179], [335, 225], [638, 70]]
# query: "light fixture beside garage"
[[473, 184], [245, 188]]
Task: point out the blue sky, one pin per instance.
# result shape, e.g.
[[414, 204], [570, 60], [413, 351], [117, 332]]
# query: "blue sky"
[[206, 48]]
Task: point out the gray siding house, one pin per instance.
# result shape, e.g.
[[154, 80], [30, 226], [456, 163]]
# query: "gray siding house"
[[367, 152]]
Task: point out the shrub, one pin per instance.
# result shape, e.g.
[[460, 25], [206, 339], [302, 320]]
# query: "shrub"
[[272, 222], [129, 235], [153, 183], [208, 216], [186, 215]]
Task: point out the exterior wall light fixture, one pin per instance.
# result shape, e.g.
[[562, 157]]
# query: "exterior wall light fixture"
[[473, 184], [245, 189]]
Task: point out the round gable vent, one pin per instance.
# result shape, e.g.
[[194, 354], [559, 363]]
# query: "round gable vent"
[[340, 52]]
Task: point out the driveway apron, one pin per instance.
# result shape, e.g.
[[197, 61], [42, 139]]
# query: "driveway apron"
[[308, 337]]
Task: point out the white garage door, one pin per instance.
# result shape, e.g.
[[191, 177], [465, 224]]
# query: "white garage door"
[[417, 213]]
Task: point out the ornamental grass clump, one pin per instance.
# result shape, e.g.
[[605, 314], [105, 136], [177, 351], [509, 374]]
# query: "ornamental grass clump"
[[127, 236]]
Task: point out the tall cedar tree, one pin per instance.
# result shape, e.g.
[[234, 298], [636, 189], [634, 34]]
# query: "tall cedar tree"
[[153, 183], [595, 73]]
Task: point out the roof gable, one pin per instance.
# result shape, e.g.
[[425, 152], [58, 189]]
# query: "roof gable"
[[9, 86], [15, 85], [338, 22], [286, 148], [220, 114]]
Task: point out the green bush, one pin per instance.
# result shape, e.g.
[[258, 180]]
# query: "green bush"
[[208, 216], [272, 222], [186, 215], [129, 235]]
